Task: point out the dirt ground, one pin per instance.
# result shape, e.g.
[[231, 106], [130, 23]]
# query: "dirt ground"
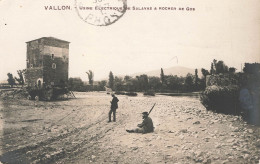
[[77, 131]]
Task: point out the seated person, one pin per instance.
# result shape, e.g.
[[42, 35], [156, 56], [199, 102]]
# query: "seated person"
[[145, 127]]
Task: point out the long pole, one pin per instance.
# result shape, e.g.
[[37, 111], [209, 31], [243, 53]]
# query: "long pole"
[[151, 109]]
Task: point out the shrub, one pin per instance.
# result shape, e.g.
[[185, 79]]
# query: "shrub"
[[120, 93], [149, 93], [223, 79], [15, 93], [221, 99], [126, 93], [76, 84], [131, 94]]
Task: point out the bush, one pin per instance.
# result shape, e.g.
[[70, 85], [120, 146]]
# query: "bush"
[[223, 80], [76, 84], [14, 93], [82, 88], [126, 93], [131, 94], [221, 99], [149, 93], [120, 93]]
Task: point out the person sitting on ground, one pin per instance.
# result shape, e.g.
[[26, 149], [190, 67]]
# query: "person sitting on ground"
[[145, 127]]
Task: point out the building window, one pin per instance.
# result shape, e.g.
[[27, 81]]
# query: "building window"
[[53, 66], [52, 56]]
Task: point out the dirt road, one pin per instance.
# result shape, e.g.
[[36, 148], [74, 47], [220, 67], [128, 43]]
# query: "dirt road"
[[76, 131]]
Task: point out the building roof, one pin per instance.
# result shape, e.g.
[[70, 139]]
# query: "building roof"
[[49, 38]]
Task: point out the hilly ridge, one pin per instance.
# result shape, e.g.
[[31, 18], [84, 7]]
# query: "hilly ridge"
[[178, 70]]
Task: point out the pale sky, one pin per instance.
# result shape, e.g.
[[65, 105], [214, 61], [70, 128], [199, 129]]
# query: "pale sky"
[[140, 40]]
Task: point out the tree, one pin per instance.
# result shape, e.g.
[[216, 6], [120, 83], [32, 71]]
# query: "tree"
[[214, 65], [76, 84], [20, 79], [11, 80], [102, 84], [128, 82], [162, 76], [218, 67], [203, 80], [143, 82], [133, 85], [154, 83], [221, 67], [204, 72], [212, 69], [111, 80], [196, 78], [189, 82], [232, 70], [90, 77], [118, 83], [127, 78], [174, 83]]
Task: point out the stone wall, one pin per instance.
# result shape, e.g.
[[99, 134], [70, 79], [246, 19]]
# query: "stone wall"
[[55, 52], [42, 55], [34, 54], [49, 41], [56, 75], [31, 75]]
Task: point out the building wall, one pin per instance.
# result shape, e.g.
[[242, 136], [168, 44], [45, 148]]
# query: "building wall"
[[55, 43], [32, 75], [55, 52], [57, 74], [42, 54], [34, 63], [34, 55]]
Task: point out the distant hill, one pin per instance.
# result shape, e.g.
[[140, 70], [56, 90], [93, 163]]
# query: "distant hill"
[[179, 71], [3, 82]]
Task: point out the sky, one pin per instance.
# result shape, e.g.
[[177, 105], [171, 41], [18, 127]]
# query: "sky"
[[140, 40]]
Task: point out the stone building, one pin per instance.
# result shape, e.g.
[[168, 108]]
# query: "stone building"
[[47, 62], [252, 68]]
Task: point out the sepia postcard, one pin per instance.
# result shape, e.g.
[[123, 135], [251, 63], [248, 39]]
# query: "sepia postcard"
[[129, 81]]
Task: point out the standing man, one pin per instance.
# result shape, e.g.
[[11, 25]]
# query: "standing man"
[[145, 127], [113, 108]]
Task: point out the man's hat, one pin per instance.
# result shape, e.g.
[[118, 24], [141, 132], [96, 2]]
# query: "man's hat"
[[145, 113]]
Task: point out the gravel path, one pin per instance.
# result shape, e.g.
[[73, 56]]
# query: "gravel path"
[[76, 131]]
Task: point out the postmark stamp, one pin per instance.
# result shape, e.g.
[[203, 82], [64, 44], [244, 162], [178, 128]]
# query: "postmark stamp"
[[100, 12]]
